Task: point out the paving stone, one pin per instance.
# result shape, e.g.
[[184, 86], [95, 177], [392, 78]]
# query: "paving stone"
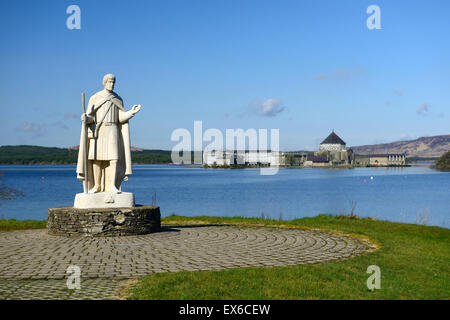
[[33, 264]]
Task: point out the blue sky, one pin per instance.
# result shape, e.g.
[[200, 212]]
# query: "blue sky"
[[313, 65]]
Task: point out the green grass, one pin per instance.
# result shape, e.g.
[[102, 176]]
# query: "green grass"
[[414, 262], [13, 224]]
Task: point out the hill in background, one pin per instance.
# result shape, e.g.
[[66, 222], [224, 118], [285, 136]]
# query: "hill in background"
[[425, 147]]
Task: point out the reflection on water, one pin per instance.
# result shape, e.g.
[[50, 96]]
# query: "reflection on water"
[[414, 194]]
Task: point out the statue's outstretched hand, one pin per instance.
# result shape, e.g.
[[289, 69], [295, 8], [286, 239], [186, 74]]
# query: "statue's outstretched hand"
[[136, 108]]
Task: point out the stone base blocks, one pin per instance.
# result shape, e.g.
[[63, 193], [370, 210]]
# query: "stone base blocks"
[[103, 200], [103, 222]]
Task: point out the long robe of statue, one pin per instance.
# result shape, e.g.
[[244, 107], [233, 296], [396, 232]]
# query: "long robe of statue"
[[108, 141]]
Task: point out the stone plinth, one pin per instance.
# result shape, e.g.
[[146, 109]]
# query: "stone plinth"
[[103, 222], [103, 200]]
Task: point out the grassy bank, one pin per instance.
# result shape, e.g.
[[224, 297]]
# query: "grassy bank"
[[12, 224], [414, 262]]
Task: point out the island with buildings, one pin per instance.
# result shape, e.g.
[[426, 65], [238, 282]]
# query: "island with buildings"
[[331, 153]]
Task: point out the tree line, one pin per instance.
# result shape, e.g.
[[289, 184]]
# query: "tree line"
[[50, 155]]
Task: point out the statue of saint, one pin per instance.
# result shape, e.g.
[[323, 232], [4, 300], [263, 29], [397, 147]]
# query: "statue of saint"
[[105, 141]]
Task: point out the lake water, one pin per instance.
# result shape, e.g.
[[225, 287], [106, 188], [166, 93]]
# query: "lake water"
[[397, 194]]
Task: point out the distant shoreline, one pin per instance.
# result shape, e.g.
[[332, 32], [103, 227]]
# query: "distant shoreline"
[[68, 164], [430, 162]]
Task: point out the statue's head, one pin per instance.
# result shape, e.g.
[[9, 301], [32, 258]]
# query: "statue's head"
[[108, 82]]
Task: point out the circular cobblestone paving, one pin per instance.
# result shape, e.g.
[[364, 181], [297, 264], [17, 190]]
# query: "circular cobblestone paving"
[[33, 254]]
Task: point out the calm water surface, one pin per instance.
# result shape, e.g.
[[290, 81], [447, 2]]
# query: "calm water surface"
[[396, 194]]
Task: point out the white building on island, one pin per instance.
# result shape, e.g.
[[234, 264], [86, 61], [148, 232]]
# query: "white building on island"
[[241, 157]]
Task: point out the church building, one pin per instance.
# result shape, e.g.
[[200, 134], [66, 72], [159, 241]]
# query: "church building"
[[332, 151], [332, 143]]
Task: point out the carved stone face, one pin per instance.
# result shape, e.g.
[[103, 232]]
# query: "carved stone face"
[[109, 85]]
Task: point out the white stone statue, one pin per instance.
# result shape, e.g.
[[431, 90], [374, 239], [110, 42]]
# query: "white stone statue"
[[104, 157]]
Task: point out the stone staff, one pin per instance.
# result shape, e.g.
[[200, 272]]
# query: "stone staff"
[[86, 141]]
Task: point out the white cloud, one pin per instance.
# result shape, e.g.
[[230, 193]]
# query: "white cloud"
[[268, 108], [39, 129], [423, 109], [272, 107], [320, 76], [31, 127], [71, 115]]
